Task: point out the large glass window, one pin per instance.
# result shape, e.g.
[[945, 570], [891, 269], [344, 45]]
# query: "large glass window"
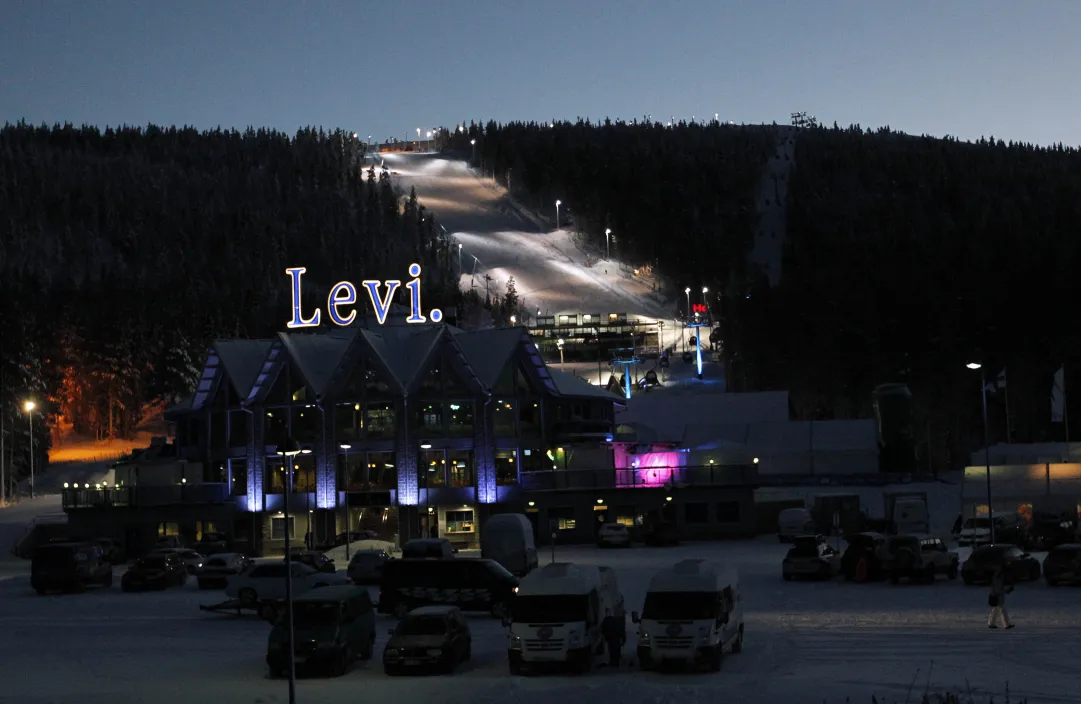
[[276, 429], [504, 414], [238, 477], [352, 472], [381, 471], [460, 521], [218, 430], [277, 528], [535, 459], [460, 418], [306, 423], [216, 472], [506, 467], [460, 468], [563, 516], [238, 429], [431, 468], [347, 422], [379, 420], [304, 473], [530, 416], [430, 419], [274, 475]]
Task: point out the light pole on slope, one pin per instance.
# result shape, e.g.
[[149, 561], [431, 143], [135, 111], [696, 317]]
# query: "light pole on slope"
[[607, 243], [473, 143], [986, 446], [558, 203], [559, 344], [29, 407], [459, 261]]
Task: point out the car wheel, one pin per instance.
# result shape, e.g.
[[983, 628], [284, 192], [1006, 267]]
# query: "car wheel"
[[248, 597], [952, 573], [108, 581], [716, 659], [368, 650], [515, 668], [341, 665], [468, 654], [737, 647]]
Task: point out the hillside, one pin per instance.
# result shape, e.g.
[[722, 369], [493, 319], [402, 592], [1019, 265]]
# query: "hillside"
[[124, 252], [902, 257]]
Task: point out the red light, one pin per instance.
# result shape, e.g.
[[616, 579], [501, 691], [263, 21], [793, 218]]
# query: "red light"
[[698, 308]]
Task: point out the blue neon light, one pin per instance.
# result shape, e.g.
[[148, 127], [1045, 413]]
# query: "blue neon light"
[[698, 346]]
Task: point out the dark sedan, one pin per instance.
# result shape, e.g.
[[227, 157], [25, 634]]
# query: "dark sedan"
[[1063, 565], [1017, 564], [428, 637], [155, 571]]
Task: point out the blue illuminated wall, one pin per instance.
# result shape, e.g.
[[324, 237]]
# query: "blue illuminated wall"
[[256, 461], [408, 492], [326, 464], [484, 456]]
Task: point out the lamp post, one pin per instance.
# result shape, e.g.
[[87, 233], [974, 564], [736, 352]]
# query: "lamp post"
[[558, 203], [513, 320], [607, 243], [29, 407], [559, 344], [986, 447], [600, 374], [473, 142], [287, 451], [459, 261], [684, 336]]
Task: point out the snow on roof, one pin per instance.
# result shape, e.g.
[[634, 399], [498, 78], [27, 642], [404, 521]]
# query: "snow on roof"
[[317, 356], [560, 578], [242, 360], [570, 385], [488, 351], [694, 575]]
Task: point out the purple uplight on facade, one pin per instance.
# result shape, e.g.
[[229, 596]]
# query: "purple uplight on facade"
[[646, 469]]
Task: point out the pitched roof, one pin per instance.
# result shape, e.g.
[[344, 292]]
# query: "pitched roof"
[[318, 355], [404, 350], [570, 385], [242, 360], [488, 351]]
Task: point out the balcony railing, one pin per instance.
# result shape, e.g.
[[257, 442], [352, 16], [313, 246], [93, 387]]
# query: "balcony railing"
[[650, 478], [144, 496]]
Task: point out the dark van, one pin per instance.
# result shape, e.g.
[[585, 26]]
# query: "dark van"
[[468, 583], [69, 567]]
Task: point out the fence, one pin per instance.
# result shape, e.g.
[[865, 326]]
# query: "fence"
[[641, 478], [143, 496]]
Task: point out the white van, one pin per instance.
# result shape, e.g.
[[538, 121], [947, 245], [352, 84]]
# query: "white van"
[[691, 614], [507, 538], [556, 616]]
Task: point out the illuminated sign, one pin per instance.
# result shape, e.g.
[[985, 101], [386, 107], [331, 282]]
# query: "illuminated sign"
[[343, 295], [699, 308]]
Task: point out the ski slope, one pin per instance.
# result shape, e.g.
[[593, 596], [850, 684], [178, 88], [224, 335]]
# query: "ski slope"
[[500, 241], [806, 642]]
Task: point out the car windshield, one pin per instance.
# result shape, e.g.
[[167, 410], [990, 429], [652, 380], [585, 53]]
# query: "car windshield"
[[977, 523], [804, 550], [315, 613], [54, 555], [152, 562], [679, 606], [422, 626], [550, 609]]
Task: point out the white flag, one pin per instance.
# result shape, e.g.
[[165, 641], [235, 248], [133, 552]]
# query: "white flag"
[[1058, 396]]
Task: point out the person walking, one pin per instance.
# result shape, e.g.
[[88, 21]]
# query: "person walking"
[[996, 599], [612, 631]]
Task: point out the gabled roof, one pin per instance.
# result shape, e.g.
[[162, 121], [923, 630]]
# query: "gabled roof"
[[242, 360], [571, 386], [317, 356], [404, 350], [488, 351]]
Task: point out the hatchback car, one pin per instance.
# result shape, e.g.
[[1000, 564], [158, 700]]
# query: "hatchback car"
[[193, 561], [1063, 565], [216, 569], [811, 557], [366, 566], [613, 535], [332, 627], [429, 637], [158, 570], [1017, 564]]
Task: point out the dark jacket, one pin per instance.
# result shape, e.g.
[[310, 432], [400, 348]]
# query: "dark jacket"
[[611, 628], [998, 587]]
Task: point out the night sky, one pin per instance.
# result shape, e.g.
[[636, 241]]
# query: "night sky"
[[965, 68]]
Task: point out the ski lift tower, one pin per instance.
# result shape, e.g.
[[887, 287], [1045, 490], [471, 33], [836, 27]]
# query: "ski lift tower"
[[625, 357], [699, 319]]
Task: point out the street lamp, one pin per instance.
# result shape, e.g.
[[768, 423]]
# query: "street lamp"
[[459, 260], [986, 446], [600, 374], [559, 344], [287, 450], [473, 142], [607, 243], [29, 407], [558, 203]]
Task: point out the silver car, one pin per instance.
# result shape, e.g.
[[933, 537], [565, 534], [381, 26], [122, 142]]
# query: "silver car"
[[811, 557], [193, 561], [366, 566]]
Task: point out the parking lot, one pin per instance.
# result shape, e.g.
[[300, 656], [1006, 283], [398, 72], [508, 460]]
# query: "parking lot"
[[831, 640]]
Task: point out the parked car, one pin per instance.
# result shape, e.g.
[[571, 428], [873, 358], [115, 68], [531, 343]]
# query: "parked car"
[[158, 570], [1017, 564], [217, 569], [366, 566], [211, 543], [810, 557], [111, 550], [1010, 528], [429, 548], [318, 561], [1063, 565], [613, 535], [192, 560], [264, 580], [468, 583], [1050, 529], [332, 627], [428, 637], [863, 559], [919, 558], [69, 567]]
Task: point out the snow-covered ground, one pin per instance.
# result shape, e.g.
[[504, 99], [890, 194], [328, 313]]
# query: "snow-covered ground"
[[499, 240], [806, 642]]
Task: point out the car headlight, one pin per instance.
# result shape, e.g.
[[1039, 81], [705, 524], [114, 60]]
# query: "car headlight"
[[515, 642]]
